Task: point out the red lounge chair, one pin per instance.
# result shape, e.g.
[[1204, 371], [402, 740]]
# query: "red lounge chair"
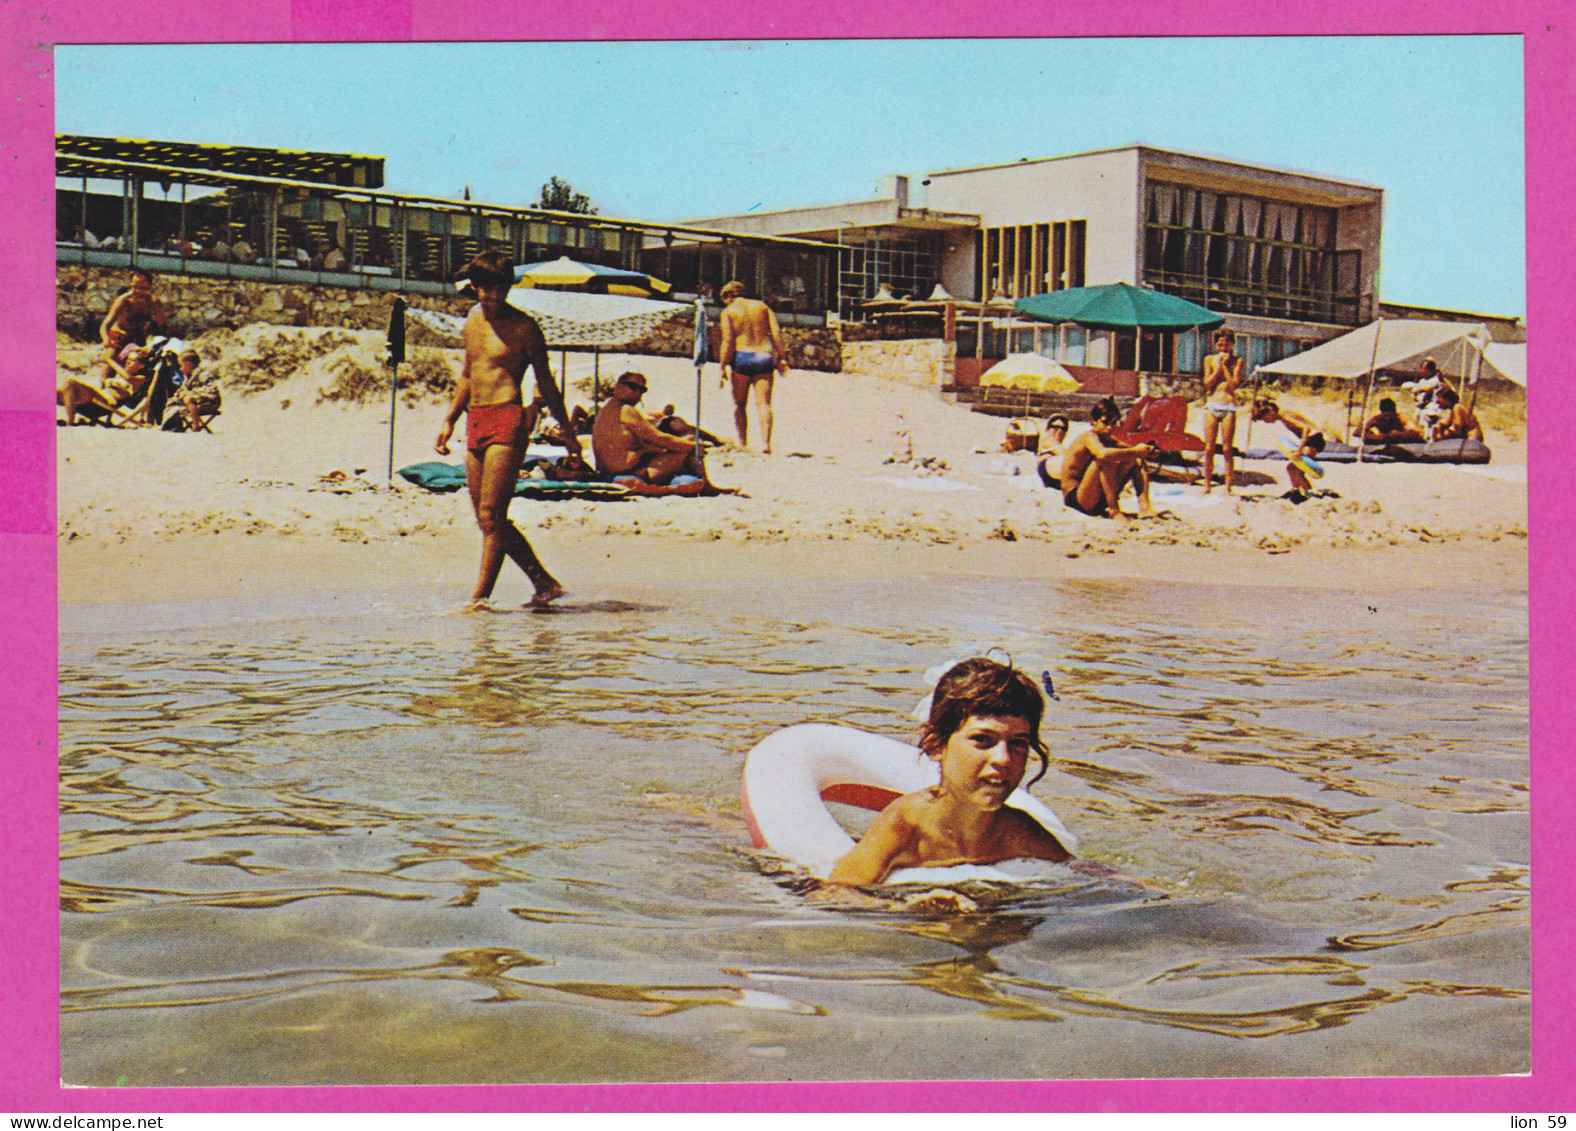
[[1162, 420]]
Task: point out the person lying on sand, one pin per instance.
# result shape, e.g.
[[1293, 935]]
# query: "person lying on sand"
[[500, 341], [1459, 422], [625, 441], [669, 421], [1094, 471], [1388, 426]]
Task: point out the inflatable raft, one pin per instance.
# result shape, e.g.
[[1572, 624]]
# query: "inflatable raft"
[[792, 774]]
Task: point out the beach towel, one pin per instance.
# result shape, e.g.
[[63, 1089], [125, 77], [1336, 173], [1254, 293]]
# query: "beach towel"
[[447, 477]]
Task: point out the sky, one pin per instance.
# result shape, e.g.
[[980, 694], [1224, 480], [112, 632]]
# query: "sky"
[[673, 131]]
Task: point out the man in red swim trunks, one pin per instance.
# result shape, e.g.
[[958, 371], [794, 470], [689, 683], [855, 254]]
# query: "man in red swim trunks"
[[500, 341]]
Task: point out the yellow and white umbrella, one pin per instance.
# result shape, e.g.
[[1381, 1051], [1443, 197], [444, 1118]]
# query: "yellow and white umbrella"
[[1030, 371], [565, 274]]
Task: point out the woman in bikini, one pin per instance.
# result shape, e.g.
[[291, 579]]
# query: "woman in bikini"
[[1222, 376]]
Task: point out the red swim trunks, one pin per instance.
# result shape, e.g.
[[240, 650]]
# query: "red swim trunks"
[[490, 424]]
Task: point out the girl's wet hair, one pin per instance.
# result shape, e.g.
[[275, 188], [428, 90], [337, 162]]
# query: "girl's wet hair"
[[1106, 410], [989, 689], [490, 269]]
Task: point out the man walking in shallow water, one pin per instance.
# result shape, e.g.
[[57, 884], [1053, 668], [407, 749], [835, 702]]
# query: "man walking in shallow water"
[[500, 341]]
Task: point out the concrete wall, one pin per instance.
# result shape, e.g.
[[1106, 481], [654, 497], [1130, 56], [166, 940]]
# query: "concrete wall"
[[1101, 188], [195, 304], [83, 296], [919, 361], [1359, 228]]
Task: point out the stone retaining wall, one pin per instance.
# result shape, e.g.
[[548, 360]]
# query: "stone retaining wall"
[[196, 304], [914, 361]]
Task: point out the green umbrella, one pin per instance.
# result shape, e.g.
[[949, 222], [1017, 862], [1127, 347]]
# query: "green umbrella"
[[1117, 306]]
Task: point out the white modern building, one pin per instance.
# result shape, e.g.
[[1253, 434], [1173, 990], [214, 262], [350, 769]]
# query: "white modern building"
[[1291, 259]]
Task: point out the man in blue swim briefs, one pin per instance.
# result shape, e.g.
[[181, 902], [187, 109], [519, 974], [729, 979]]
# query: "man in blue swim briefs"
[[500, 342], [752, 355]]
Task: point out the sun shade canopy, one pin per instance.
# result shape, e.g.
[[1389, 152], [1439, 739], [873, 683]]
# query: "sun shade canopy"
[[347, 169], [1402, 343], [1117, 306]]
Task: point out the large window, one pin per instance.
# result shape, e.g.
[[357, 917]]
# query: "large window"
[[1247, 255], [1030, 259]]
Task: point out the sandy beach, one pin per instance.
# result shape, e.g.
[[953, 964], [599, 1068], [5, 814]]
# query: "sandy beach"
[[869, 478]]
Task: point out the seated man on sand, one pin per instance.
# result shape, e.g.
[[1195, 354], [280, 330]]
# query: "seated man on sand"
[[1388, 426], [1459, 422], [1094, 470], [625, 442]]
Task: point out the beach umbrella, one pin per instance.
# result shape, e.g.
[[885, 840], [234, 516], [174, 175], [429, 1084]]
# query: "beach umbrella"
[[1031, 371], [1118, 306], [565, 274]]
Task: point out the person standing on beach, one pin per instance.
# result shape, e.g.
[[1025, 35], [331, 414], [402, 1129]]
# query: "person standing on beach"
[[752, 355], [1222, 377], [135, 310], [500, 341]]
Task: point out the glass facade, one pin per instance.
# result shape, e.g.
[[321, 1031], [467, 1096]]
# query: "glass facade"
[[252, 227], [1029, 259], [1247, 255]]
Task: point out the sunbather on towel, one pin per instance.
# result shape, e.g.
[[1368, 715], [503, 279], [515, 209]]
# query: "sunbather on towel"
[[625, 442]]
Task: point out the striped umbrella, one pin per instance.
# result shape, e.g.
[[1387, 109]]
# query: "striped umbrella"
[[565, 274]]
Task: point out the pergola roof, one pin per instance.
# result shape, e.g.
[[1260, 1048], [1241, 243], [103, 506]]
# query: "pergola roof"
[[347, 169]]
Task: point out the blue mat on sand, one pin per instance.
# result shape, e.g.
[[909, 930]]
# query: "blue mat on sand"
[[1440, 451], [1333, 453], [446, 477]]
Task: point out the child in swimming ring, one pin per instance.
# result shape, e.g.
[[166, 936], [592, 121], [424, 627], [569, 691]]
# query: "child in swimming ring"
[[984, 721]]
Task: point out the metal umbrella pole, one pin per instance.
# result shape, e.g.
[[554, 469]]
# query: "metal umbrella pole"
[[1362, 419], [702, 354], [396, 355], [1477, 372]]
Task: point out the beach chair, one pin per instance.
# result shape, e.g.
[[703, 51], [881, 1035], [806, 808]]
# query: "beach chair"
[[1161, 421], [194, 410]]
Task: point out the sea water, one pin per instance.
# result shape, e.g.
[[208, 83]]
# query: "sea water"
[[372, 839]]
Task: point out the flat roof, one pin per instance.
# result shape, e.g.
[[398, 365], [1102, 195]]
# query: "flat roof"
[[347, 169], [1156, 151], [95, 168]]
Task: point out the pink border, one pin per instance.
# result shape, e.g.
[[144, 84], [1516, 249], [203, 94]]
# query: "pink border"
[[29, 1034]]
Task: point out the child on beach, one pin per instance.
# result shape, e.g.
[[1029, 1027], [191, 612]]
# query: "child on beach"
[[1303, 440], [984, 720]]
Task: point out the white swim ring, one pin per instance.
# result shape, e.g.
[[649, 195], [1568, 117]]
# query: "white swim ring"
[[792, 773]]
